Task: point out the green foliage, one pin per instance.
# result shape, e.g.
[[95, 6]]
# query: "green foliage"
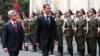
[[6, 5]]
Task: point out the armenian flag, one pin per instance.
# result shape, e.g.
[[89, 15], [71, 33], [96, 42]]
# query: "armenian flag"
[[17, 7]]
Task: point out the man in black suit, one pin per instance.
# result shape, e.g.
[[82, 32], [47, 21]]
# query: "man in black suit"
[[46, 31], [13, 35]]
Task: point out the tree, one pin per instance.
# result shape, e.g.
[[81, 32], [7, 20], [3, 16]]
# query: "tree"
[[6, 5]]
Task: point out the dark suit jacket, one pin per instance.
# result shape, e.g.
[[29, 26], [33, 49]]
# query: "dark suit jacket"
[[45, 32], [11, 39]]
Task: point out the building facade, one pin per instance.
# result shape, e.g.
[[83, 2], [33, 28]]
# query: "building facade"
[[64, 5]]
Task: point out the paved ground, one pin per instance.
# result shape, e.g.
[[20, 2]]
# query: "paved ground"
[[29, 53]]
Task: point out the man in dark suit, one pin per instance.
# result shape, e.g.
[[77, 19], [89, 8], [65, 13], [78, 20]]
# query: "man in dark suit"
[[13, 35], [46, 31]]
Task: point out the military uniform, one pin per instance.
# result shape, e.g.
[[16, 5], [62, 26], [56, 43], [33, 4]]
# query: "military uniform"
[[92, 34], [98, 34], [59, 23], [32, 32], [80, 34], [20, 21], [30, 25], [26, 23], [69, 32], [76, 19], [87, 39]]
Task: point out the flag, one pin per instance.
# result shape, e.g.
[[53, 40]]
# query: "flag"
[[17, 8]]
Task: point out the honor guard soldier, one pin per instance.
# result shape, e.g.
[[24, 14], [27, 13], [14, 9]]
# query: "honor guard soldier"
[[80, 32], [69, 31], [59, 23], [92, 27], [33, 30], [98, 34]]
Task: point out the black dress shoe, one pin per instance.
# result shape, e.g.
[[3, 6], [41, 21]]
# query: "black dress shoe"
[[26, 49], [51, 52], [35, 50]]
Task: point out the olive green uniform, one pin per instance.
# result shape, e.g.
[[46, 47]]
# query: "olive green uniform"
[[59, 23], [69, 32], [98, 35], [27, 24], [32, 32], [32, 29], [92, 35], [80, 34]]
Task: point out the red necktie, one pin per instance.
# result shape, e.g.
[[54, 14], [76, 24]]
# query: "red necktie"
[[15, 27]]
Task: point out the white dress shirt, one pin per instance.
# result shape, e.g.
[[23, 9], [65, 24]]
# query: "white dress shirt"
[[12, 22], [46, 17]]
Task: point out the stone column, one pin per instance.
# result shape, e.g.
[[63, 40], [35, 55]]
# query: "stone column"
[[68, 4], [31, 7]]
